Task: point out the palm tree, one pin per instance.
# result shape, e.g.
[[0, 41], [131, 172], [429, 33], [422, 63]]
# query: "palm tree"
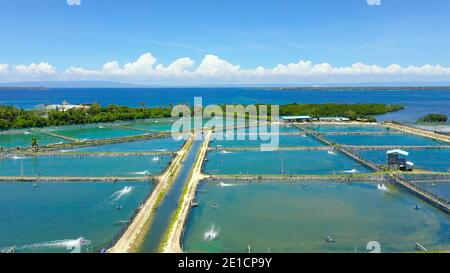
[[34, 143]]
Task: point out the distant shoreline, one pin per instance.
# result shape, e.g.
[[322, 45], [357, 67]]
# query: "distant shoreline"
[[274, 88], [361, 88], [7, 88]]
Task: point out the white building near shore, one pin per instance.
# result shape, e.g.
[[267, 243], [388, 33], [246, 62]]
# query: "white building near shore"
[[65, 106]]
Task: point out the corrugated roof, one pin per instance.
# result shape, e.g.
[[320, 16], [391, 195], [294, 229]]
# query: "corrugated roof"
[[398, 151]]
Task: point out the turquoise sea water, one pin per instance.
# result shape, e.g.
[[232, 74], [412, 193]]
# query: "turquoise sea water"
[[433, 160], [385, 140], [84, 166], [291, 162], [289, 217], [49, 217]]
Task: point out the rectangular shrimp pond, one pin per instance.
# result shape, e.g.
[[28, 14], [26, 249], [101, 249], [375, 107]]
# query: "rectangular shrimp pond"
[[348, 128], [385, 140], [281, 162], [302, 217], [437, 160], [166, 144], [283, 141], [84, 166], [23, 138], [59, 216], [92, 132]]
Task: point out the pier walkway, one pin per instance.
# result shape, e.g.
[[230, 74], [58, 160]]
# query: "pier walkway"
[[342, 149], [417, 131], [60, 136], [133, 236], [424, 195]]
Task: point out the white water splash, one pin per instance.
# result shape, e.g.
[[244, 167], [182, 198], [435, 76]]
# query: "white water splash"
[[68, 151], [225, 152], [15, 157], [156, 159], [331, 153], [146, 172], [27, 133], [382, 187], [121, 193], [351, 171], [71, 244], [211, 234], [222, 184]]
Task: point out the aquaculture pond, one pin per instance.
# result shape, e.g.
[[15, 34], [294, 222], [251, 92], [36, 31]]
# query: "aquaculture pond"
[[268, 139], [89, 132], [84, 166], [280, 162], [262, 129], [385, 140], [152, 145], [437, 160], [441, 189], [54, 216], [304, 217], [156, 125], [348, 128], [24, 139]]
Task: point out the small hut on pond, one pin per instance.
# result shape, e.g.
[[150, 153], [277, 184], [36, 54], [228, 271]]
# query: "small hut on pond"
[[398, 159]]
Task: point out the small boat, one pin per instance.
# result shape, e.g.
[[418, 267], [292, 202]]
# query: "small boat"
[[304, 185], [214, 206], [119, 207], [416, 207], [329, 239], [35, 185], [194, 203]]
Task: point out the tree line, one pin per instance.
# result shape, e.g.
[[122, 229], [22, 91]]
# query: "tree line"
[[15, 118]]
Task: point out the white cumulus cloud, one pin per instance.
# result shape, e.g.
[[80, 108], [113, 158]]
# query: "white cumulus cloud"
[[374, 2], [213, 69], [40, 68], [73, 2]]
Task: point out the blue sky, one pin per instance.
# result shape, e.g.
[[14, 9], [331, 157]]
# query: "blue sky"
[[245, 33]]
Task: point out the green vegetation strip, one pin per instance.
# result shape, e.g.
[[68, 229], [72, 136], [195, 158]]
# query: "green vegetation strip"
[[14, 118]]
